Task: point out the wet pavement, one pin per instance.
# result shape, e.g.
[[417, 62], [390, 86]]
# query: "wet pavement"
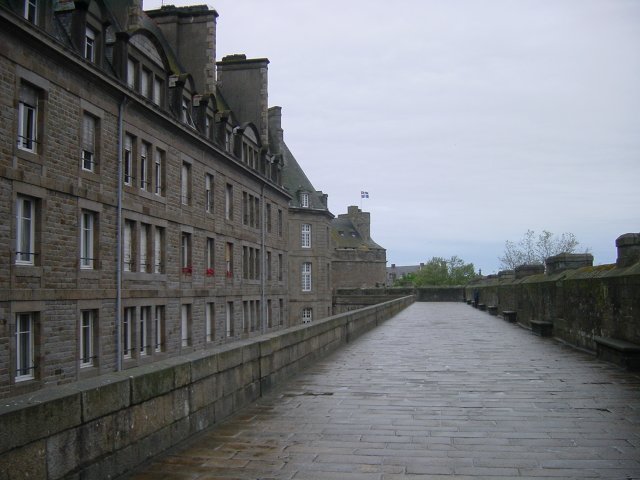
[[440, 391]]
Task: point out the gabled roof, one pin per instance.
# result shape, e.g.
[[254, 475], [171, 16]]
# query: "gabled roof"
[[295, 181]]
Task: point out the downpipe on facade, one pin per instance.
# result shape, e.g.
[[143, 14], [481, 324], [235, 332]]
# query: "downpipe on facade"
[[263, 262], [118, 319]]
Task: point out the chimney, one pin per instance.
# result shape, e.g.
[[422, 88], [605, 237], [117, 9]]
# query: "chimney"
[[275, 129], [361, 221], [191, 33], [243, 83]]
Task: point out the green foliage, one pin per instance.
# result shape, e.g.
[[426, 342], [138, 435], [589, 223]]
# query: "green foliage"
[[440, 271]]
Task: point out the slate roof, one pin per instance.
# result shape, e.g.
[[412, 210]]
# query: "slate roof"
[[345, 235]]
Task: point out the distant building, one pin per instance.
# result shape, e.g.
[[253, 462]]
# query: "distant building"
[[358, 261], [397, 272]]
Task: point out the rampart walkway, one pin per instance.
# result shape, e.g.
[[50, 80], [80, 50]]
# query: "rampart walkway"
[[439, 391]]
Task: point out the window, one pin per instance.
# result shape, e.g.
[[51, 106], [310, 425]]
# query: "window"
[[87, 239], [306, 277], [210, 258], [304, 200], [268, 215], [280, 223], [246, 316], [25, 346], [228, 258], [210, 317], [157, 90], [307, 315], [132, 73], [87, 327], [186, 112], [229, 319], [28, 119], [128, 160], [280, 267], [269, 314], [127, 254], [158, 172], [158, 327], [185, 325], [143, 330], [269, 266], [25, 230], [158, 250], [306, 235], [185, 248], [228, 202], [127, 326], [208, 191], [144, 244], [145, 82], [281, 311], [31, 11], [185, 183], [90, 44], [145, 183], [88, 142]]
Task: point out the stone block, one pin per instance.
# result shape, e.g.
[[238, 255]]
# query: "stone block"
[[568, 261], [63, 453], [628, 246], [154, 380], [541, 328], [27, 462], [109, 396], [203, 393], [229, 358], [204, 367], [510, 316]]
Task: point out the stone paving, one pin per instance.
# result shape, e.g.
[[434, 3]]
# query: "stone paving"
[[439, 391]]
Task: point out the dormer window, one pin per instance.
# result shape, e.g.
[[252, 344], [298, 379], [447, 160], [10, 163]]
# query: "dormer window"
[[90, 45], [186, 113], [132, 73], [31, 11], [304, 200]]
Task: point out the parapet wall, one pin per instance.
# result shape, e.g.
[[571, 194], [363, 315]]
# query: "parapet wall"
[[106, 426], [581, 303]]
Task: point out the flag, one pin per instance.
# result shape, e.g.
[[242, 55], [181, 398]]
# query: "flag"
[[364, 194]]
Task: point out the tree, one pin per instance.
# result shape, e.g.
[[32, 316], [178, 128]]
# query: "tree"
[[440, 271], [534, 250]]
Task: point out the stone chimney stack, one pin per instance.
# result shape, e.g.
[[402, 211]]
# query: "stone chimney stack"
[[628, 249], [191, 33], [361, 220], [244, 84], [275, 129]]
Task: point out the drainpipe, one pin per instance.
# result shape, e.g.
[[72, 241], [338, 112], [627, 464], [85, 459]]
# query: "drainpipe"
[[118, 318], [263, 262]]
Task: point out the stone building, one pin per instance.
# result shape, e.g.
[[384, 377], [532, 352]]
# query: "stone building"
[[310, 246], [358, 261], [142, 211], [398, 272]]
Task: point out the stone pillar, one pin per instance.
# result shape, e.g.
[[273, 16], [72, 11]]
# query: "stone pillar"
[[628, 249], [568, 261], [528, 270]]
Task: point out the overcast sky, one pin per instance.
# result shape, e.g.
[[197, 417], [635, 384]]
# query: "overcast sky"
[[467, 121]]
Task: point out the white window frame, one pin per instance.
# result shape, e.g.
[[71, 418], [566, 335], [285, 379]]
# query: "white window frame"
[[157, 173], [307, 315], [210, 317], [305, 233], [127, 327], [25, 230], [208, 188], [145, 79], [127, 247], [184, 324], [143, 247], [158, 320], [228, 202], [143, 331], [132, 67], [90, 44], [229, 320], [25, 346], [158, 260], [31, 11], [157, 90], [144, 166], [306, 276], [87, 239], [87, 350], [127, 161], [28, 118], [185, 250], [87, 160], [304, 200], [185, 190]]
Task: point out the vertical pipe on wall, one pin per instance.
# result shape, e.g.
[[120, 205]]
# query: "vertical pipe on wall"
[[263, 257], [118, 320]]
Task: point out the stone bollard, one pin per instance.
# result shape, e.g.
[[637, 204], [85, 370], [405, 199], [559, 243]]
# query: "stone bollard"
[[628, 249]]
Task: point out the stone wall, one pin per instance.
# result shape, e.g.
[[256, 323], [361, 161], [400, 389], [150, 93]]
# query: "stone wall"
[[581, 303], [105, 426]]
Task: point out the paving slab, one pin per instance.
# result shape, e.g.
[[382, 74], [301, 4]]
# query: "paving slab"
[[441, 390]]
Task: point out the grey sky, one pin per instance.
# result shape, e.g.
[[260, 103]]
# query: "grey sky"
[[467, 121]]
